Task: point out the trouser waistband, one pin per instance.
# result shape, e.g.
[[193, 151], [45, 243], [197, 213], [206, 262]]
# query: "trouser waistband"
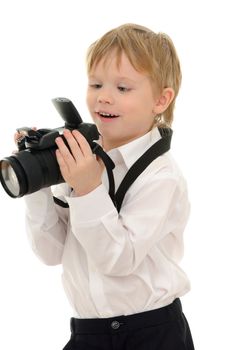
[[125, 323]]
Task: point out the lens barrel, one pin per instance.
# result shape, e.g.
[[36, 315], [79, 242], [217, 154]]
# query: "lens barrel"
[[28, 171]]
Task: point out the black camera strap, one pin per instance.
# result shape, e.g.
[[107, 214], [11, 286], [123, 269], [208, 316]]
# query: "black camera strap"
[[156, 150], [109, 164]]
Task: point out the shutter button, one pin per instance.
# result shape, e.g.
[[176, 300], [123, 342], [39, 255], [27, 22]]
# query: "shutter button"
[[115, 325]]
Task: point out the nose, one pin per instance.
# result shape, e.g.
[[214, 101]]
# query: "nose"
[[105, 97]]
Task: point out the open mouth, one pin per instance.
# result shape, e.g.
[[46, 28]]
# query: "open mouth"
[[108, 115]]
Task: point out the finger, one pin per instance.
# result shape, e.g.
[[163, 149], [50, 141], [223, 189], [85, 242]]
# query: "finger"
[[16, 136], [61, 162], [73, 145], [83, 143], [65, 152]]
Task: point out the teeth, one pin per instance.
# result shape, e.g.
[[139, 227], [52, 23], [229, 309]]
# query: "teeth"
[[108, 115]]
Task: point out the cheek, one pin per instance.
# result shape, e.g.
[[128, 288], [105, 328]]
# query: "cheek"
[[87, 96], [89, 100]]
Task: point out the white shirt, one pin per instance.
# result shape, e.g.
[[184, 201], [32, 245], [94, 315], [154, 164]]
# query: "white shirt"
[[116, 264]]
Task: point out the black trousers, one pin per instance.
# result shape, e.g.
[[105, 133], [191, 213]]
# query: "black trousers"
[[161, 329]]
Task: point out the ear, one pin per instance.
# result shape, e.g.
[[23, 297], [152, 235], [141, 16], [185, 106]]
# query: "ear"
[[163, 100]]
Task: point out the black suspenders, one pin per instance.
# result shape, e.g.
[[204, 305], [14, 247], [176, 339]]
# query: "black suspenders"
[[156, 150]]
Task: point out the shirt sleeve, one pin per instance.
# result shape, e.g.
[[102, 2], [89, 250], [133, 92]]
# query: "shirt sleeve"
[[46, 224], [117, 243]]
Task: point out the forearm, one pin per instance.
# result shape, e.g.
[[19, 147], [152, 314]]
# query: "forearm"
[[46, 226]]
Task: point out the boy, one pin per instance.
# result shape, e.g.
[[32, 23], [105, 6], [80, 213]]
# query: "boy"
[[121, 270]]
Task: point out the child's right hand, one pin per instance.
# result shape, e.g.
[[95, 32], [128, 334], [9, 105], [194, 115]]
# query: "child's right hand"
[[18, 136]]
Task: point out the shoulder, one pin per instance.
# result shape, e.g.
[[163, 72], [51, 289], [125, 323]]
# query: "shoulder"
[[164, 166], [161, 185], [162, 177]]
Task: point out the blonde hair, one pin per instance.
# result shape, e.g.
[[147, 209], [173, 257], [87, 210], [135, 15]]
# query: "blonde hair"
[[148, 52]]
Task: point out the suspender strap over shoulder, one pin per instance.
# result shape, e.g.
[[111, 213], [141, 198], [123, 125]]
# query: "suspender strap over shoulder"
[[156, 150]]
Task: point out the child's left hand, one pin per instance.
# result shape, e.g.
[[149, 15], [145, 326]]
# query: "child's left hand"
[[79, 166]]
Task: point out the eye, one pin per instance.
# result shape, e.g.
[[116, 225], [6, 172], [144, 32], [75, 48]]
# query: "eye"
[[95, 86], [123, 89]]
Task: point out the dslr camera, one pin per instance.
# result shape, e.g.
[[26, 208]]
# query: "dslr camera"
[[34, 166]]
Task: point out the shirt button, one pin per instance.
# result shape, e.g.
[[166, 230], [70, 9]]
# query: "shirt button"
[[115, 325]]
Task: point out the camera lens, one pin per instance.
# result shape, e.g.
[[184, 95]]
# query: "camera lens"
[[28, 171], [9, 176], [10, 179]]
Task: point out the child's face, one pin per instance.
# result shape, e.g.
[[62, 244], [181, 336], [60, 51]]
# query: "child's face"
[[121, 101]]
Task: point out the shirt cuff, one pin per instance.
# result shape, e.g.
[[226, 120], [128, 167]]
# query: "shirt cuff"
[[90, 207]]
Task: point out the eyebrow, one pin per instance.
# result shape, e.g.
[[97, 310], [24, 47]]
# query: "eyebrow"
[[121, 78]]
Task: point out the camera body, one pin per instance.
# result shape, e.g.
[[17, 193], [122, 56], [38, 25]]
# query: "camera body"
[[34, 166]]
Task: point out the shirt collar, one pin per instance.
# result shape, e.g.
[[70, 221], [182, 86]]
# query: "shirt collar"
[[131, 151]]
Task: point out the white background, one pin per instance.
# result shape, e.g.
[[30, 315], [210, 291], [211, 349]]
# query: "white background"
[[42, 56]]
